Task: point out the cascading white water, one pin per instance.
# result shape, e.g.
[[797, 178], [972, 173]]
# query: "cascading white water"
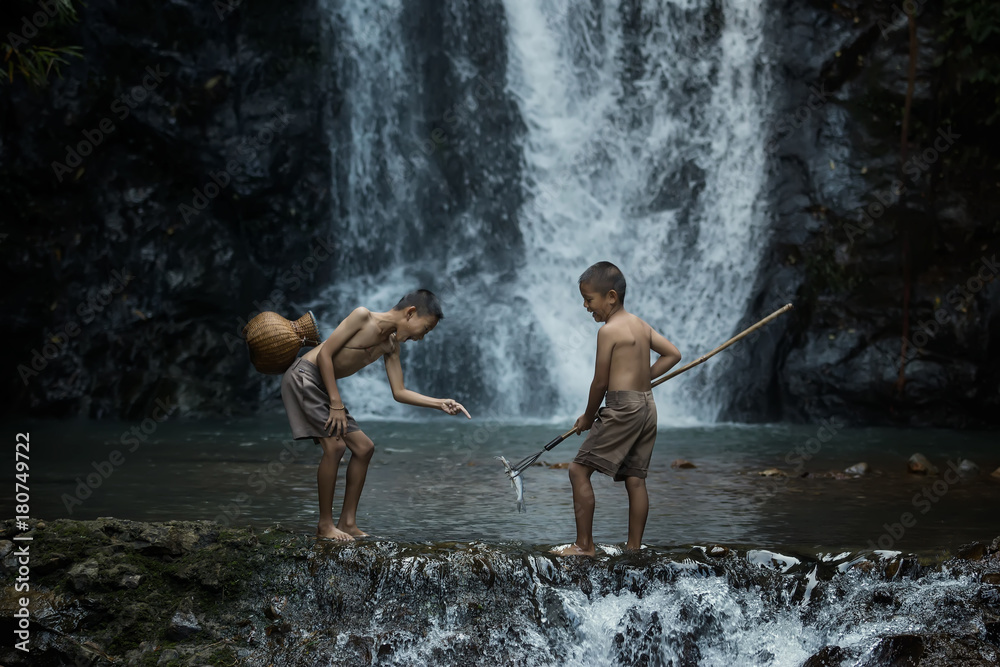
[[636, 153], [642, 135]]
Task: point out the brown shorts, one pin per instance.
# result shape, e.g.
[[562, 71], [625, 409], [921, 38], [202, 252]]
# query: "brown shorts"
[[620, 443], [307, 403]]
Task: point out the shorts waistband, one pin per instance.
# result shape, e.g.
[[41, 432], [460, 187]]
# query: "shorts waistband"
[[624, 396]]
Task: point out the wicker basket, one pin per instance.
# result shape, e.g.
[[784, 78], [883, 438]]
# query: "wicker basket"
[[274, 342]]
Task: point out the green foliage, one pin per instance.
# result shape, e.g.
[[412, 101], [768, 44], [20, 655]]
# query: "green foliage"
[[970, 32], [31, 47]]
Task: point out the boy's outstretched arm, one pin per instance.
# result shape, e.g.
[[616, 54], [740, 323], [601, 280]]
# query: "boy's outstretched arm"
[[394, 371], [669, 354], [599, 386], [344, 332]]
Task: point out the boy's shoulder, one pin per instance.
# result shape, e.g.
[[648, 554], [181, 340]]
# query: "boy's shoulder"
[[624, 324]]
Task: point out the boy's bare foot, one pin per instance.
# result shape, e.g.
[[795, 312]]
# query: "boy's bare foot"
[[333, 533], [352, 530], [573, 550]]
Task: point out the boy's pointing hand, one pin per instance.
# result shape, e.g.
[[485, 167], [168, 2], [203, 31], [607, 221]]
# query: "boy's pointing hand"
[[453, 407]]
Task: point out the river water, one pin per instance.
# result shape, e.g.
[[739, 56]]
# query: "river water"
[[438, 480]]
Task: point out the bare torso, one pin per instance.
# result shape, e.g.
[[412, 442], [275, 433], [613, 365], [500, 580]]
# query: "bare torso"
[[630, 356], [364, 348]]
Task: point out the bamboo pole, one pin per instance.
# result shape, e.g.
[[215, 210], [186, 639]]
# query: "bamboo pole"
[[705, 357], [521, 465]]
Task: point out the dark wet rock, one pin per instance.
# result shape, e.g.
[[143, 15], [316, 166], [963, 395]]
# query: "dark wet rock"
[[992, 578], [858, 469], [919, 465], [280, 593], [899, 650], [167, 656], [772, 472], [183, 624], [974, 551], [681, 463], [967, 468], [828, 656], [995, 474], [83, 576]]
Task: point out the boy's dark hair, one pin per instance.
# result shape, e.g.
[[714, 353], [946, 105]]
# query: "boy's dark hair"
[[424, 301], [605, 276]]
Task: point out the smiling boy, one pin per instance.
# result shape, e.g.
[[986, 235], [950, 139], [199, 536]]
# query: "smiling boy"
[[315, 409], [621, 441]]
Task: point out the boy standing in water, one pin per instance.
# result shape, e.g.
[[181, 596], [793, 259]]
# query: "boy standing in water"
[[621, 441], [315, 409]]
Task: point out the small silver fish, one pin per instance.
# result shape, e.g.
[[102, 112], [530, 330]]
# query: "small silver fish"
[[515, 481]]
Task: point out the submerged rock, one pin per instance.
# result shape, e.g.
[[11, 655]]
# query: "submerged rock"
[[772, 472], [858, 469], [967, 467], [682, 463], [919, 465]]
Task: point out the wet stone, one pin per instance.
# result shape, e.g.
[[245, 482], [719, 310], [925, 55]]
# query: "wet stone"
[[898, 650], [861, 468], [168, 655], [183, 625], [682, 463], [772, 472], [828, 656], [919, 465], [83, 576], [974, 551], [967, 467]]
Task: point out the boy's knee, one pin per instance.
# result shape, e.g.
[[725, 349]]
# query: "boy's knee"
[[579, 471], [365, 450], [334, 447]]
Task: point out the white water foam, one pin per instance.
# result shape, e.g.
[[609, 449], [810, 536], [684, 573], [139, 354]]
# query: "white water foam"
[[637, 149]]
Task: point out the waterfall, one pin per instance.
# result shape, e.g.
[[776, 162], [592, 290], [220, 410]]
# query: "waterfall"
[[493, 153]]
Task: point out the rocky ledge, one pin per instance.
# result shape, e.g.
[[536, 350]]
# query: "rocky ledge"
[[113, 591]]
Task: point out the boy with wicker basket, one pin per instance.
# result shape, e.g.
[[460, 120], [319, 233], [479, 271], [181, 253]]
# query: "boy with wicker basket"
[[315, 409]]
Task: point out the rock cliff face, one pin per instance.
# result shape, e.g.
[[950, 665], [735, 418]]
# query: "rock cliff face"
[[193, 593], [173, 181], [181, 177], [845, 207]]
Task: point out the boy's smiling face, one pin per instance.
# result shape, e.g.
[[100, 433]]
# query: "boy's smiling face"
[[415, 326], [599, 304]]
